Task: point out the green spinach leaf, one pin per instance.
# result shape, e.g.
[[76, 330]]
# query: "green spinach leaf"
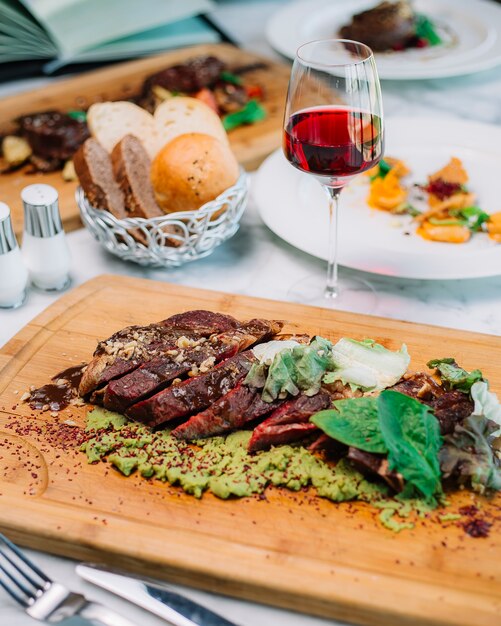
[[353, 422], [412, 434]]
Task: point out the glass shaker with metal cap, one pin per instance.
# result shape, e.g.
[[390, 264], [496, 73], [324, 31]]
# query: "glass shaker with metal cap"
[[45, 249], [13, 274]]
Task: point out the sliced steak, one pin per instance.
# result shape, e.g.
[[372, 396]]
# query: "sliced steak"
[[159, 372], [449, 407], [375, 465], [193, 395], [280, 434], [420, 386], [290, 422], [235, 409], [128, 348]]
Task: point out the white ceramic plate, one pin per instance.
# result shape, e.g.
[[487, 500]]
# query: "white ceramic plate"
[[472, 32], [294, 207]]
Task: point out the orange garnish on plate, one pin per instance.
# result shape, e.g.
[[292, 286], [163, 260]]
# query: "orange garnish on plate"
[[445, 234], [453, 172], [494, 227], [387, 194]]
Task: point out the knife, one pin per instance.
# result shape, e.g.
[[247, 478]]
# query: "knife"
[[152, 596]]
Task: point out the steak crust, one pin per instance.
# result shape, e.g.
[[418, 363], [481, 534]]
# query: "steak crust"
[[193, 395], [128, 348], [235, 409], [449, 407], [185, 359]]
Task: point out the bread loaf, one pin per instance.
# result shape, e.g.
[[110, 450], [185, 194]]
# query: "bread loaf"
[[95, 173], [191, 170], [131, 168]]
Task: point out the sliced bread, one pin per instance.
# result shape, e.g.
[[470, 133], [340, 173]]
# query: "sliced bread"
[[180, 115], [95, 173], [109, 122], [131, 167]]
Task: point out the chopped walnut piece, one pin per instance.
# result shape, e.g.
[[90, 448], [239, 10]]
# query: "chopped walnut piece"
[[206, 365]]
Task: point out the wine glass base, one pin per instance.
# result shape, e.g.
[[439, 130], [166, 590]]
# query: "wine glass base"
[[353, 294]]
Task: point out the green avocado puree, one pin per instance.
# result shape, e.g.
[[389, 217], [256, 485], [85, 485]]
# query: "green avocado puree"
[[223, 466]]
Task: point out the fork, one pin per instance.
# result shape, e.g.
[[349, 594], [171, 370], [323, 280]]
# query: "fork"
[[46, 600]]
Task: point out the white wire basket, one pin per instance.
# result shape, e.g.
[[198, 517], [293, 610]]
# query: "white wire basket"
[[172, 239]]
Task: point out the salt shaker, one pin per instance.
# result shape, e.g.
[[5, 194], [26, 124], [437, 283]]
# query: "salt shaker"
[[45, 249], [13, 273]]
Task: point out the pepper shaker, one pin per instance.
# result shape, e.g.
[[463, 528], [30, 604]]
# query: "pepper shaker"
[[13, 274], [45, 249]]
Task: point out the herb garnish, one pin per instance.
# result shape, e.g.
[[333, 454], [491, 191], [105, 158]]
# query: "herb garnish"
[[453, 376]]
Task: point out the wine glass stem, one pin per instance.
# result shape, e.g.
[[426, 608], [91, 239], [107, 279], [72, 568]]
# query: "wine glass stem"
[[331, 289]]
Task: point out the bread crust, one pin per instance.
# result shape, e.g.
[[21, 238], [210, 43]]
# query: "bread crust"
[[191, 170], [95, 173], [131, 168]]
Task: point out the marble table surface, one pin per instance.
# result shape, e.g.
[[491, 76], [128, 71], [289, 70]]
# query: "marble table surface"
[[255, 262]]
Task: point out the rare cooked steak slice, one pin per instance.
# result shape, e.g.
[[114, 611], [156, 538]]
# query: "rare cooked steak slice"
[[280, 434], [290, 422], [449, 407], [193, 395], [237, 408], [375, 465], [186, 359], [159, 372], [128, 348]]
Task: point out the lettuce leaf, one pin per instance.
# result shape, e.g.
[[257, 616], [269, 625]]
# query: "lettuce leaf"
[[280, 378], [266, 352], [292, 370], [468, 455], [311, 363], [367, 365], [353, 422], [412, 434], [486, 404], [453, 376]]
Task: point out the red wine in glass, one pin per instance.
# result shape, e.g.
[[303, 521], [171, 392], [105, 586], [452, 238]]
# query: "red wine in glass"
[[333, 131], [333, 141]]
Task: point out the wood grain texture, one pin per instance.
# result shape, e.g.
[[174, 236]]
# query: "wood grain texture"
[[291, 550], [251, 144]]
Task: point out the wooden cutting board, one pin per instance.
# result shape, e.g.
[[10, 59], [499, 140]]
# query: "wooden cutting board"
[[291, 550], [251, 144]]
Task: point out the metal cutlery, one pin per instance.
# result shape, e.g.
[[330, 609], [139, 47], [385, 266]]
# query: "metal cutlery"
[[152, 596], [46, 600]]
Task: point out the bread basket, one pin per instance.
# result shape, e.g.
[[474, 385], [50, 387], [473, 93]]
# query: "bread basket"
[[173, 239]]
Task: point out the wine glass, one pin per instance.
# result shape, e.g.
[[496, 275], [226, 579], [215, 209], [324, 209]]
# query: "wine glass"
[[333, 130]]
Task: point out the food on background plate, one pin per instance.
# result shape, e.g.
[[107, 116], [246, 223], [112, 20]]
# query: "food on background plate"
[[451, 214], [210, 403], [191, 170], [47, 140], [392, 25]]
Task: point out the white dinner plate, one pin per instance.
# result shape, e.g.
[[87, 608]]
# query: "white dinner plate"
[[472, 29], [293, 205]]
